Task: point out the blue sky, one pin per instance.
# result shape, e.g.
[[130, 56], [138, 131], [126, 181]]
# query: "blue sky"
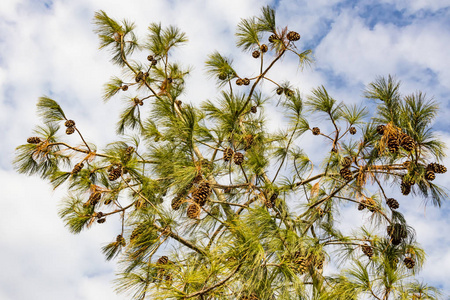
[[49, 48]]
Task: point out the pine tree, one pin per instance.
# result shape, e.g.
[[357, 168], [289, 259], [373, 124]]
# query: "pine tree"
[[249, 214]]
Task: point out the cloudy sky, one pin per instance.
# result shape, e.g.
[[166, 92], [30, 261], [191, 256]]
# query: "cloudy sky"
[[49, 48]]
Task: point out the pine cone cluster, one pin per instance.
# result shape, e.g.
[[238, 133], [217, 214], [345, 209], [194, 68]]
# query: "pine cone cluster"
[[115, 173], [397, 232], [316, 131], [293, 36], [33, 140], [352, 130], [227, 154], [436, 168], [77, 168], [193, 211], [392, 203], [367, 250], [256, 54], [238, 158], [202, 193], [346, 173], [409, 262], [264, 48]]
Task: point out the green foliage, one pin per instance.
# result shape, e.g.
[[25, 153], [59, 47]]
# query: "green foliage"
[[215, 204]]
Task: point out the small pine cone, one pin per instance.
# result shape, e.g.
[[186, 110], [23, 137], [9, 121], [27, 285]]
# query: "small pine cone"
[[154, 62], [431, 166], [239, 81], [70, 130], [238, 158], [115, 173], [99, 215], [248, 141], [163, 260], [405, 188], [124, 87], [137, 232], [288, 92], [269, 204], [253, 109], [396, 241], [193, 211], [407, 143], [77, 168], [33, 140], [316, 131], [380, 129], [227, 154], [346, 173], [407, 164], [440, 169], [137, 101], [346, 162], [280, 91], [102, 220], [264, 48], [367, 250], [120, 240], [293, 36], [176, 202], [429, 175], [94, 198], [409, 262], [246, 81], [150, 58], [69, 123], [392, 203], [361, 205], [256, 54], [393, 144], [408, 179], [129, 150], [272, 38], [222, 76], [273, 197], [352, 130], [139, 76]]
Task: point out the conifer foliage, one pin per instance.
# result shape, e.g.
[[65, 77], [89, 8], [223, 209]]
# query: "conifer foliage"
[[212, 205]]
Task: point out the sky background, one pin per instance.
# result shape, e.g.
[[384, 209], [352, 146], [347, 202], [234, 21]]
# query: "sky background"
[[49, 48]]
